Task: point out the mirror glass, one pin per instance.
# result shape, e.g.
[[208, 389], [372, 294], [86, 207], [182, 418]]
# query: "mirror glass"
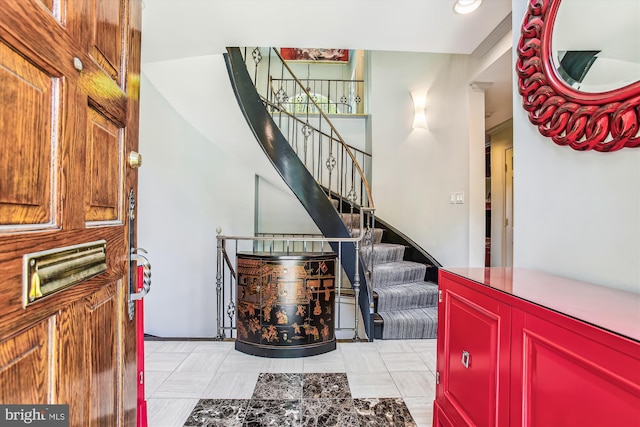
[[595, 45]]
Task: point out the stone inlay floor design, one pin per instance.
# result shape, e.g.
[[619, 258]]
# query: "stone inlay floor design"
[[301, 399]]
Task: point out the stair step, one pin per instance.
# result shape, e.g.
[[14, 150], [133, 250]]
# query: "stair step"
[[378, 325], [382, 253], [417, 323], [377, 234], [407, 296], [396, 273], [352, 220]]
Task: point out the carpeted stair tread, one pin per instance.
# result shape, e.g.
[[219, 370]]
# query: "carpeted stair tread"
[[377, 234], [351, 220], [407, 296], [396, 273], [414, 323], [382, 253]]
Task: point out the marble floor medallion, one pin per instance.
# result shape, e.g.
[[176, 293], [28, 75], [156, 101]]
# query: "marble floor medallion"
[[301, 400]]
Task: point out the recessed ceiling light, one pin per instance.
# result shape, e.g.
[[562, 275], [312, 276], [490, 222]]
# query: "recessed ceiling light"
[[466, 6]]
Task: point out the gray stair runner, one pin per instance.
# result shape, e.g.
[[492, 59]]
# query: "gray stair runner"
[[408, 324], [407, 304]]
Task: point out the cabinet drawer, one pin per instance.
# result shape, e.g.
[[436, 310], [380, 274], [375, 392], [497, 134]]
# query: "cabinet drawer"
[[474, 372]]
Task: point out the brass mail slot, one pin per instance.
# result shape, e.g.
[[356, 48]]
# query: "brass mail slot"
[[47, 272]]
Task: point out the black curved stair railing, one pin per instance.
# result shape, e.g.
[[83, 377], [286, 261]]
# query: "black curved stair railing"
[[296, 175]]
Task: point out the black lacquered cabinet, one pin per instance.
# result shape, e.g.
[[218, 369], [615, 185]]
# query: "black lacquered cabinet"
[[285, 304]]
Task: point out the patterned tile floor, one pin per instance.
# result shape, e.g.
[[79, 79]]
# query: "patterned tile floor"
[[204, 383]]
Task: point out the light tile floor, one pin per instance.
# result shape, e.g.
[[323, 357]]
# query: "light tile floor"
[[179, 373]]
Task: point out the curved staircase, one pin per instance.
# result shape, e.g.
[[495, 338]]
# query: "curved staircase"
[[398, 297]]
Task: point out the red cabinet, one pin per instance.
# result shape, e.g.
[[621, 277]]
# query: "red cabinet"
[[505, 360]]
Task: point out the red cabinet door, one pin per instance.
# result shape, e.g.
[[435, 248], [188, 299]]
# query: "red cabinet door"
[[572, 375], [473, 356]]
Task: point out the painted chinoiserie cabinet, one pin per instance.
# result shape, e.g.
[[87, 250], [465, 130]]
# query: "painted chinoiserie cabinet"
[[523, 348], [286, 304]]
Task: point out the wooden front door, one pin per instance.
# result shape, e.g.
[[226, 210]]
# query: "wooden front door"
[[69, 85]]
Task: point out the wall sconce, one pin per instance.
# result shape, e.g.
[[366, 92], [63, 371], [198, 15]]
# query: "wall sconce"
[[419, 117], [466, 6]]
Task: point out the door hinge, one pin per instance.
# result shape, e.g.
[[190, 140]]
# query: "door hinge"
[[437, 377], [439, 296]]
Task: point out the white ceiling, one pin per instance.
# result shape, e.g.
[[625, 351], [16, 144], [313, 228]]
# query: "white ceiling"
[[178, 28], [173, 29]]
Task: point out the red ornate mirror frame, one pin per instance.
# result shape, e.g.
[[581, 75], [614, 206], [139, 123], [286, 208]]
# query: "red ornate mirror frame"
[[605, 121]]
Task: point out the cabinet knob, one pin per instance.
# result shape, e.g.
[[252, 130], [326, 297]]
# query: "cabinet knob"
[[466, 357]]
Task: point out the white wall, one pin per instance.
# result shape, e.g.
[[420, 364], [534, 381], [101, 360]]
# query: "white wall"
[[415, 170], [197, 174], [181, 202], [279, 211], [576, 214], [490, 69], [475, 197]]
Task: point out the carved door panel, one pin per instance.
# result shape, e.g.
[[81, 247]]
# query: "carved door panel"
[[68, 119]]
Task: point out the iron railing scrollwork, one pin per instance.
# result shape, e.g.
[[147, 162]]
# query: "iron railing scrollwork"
[[337, 166], [226, 276], [332, 96]]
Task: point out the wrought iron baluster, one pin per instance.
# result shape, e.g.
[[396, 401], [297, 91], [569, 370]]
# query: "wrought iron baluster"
[[319, 156], [356, 287], [219, 275], [306, 132], [257, 58], [330, 164], [338, 275]]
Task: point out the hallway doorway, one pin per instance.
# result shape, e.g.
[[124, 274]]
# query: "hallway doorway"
[[508, 208], [501, 195]]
